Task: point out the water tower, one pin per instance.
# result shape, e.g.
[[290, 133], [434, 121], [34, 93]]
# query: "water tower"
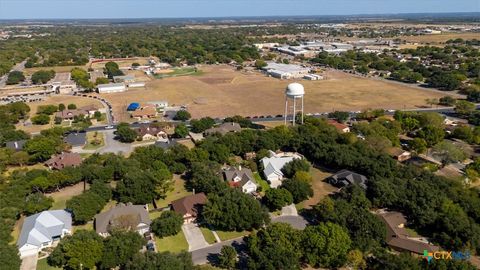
[[294, 91]]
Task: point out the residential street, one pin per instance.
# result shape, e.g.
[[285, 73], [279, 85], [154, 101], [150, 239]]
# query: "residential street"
[[114, 146]]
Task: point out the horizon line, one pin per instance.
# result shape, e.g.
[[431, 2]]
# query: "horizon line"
[[247, 16]]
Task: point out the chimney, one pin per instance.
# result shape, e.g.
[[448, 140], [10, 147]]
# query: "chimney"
[[239, 167], [193, 191]]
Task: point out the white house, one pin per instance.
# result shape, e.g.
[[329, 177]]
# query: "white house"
[[273, 164], [42, 229], [241, 178], [111, 88]]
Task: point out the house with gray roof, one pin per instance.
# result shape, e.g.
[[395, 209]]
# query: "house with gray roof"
[[42, 229], [76, 139], [273, 164], [124, 217], [16, 145], [240, 178], [224, 128], [345, 178]]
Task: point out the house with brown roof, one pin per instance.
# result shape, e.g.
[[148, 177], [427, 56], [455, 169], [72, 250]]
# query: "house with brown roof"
[[224, 128], [240, 178], [70, 114], [63, 160], [124, 217], [398, 237], [339, 126], [190, 206], [399, 154], [149, 133], [145, 112]]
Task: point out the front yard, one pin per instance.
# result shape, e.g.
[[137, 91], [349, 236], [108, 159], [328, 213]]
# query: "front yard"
[[173, 244], [208, 234], [95, 140], [43, 265], [226, 235]]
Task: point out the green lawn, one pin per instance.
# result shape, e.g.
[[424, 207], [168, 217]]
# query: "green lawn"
[[95, 140], [224, 235], [88, 227], [263, 183], [178, 192], [208, 235], [154, 214], [180, 72], [43, 265], [174, 244]]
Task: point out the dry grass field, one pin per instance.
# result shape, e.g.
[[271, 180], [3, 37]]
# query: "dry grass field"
[[30, 71], [439, 38], [123, 63], [222, 91]]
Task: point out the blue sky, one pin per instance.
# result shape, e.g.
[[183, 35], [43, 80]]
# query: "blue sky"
[[43, 9]]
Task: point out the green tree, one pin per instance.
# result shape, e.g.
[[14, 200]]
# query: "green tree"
[[260, 63], [303, 176], [431, 134], [137, 186], [339, 116], [61, 107], [181, 131], [9, 258], [448, 152], [227, 258], [160, 261], [234, 210], [463, 107], [276, 198], [169, 223], [294, 166], [418, 145], [47, 109], [202, 124], [274, 247], [41, 119], [325, 245], [125, 133], [182, 115], [101, 80], [72, 106], [355, 260], [42, 76], [120, 247], [15, 77], [447, 101], [82, 250], [300, 190]]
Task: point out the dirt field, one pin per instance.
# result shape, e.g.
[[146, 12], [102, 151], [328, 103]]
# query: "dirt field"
[[55, 100], [320, 188], [439, 38], [61, 197], [30, 71], [222, 91]]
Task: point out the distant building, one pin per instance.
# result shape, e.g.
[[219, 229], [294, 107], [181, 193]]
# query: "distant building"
[[16, 145], [70, 114], [399, 154], [224, 128], [124, 79], [345, 178], [190, 206], [64, 160], [125, 217], [42, 230], [136, 84], [111, 88], [273, 164], [285, 71], [398, 237], [63, 84], [339, 126], [240, 178]]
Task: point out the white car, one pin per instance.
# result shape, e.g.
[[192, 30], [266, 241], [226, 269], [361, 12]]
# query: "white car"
[[109, 127]]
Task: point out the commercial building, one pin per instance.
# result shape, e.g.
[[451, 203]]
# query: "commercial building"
[[285, 71], [63, 84], [111, 88]]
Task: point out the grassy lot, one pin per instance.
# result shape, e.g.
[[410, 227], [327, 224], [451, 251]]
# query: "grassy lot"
[[88, 227], [208, 235], [61, 197], [263, 183], [16, 230], [173, 244], [224, 235], [320, 188], [179, 72], [178, 192], [95, 140], [43, 265]]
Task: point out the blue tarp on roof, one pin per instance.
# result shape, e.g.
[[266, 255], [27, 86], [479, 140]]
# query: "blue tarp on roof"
[[133, 106]]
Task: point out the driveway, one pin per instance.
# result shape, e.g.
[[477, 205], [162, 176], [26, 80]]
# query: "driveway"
[[114, 146], [194, 237], [297, 222], [289, 210], [204, 255], [29, 262]]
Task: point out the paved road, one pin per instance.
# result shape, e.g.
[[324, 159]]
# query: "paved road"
[[194, 237], [18, 67], [297, 222]]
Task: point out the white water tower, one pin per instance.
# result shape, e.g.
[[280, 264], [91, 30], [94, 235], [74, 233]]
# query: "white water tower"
[[294, 91]]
